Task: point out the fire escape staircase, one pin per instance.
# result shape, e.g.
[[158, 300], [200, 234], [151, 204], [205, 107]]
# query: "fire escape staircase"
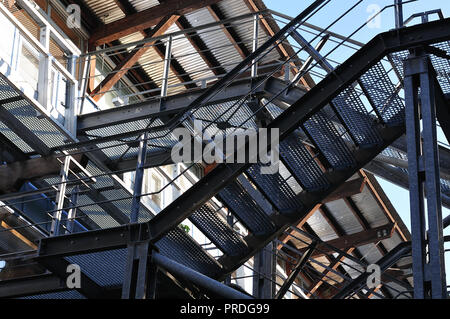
[[331, 116]]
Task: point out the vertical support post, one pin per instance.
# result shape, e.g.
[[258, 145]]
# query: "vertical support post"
[[230, 222], [72, 211], [167, 59], [45, 63], [56, 219], [140, 273], [423, 170], [298, 268], [254, 71], [398, 14], [71, 98], [263, 267], [84, 83], [138, 179]]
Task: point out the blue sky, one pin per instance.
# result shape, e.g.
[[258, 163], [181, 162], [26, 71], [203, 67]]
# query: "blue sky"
[[398, 196]]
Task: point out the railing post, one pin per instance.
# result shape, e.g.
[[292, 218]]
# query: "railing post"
[[45, 64], [398, 14], [254, 72], [167, 58], [71, 216], [71, 105], [138, 179], [56, 219]]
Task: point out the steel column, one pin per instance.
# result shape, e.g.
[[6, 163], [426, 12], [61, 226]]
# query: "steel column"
[[138, 179], [399, 14], [71, 101], [140, 273], [423, 170], [263, 271], [45, 63]]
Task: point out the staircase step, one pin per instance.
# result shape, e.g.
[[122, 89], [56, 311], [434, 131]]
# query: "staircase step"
[[383, 94], [301, 163], [246, 209], [355, 115], [182, 248], [324, 134], [218, 231], [276, 189]]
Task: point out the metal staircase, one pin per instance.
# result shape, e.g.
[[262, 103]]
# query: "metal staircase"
[[345, 136], [326, 136]]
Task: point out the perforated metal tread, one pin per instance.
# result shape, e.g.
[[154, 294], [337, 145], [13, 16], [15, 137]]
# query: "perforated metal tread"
[[355, 115], [69, 294], [106, 268], [276, 189], [321, 130], [183, 249], [440, 65], [227, 240], [383, 94], [246, 209]]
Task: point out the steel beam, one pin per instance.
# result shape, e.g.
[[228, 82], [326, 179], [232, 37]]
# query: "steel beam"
[[197, 278], [298, 268], [172, 105], [385, 263], [423, 170], [354, 240], [144, 19], [347, 189], [40, 284], [140, 272]]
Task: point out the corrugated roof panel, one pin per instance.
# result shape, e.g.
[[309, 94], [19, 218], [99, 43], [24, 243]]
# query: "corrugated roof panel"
[[153, 65], [370, 253], [106, 10], [353, 268], [344, 217], [321, 227], [392, 242], [188, 57], [141, 5], [369, 208], [215, 39], [234, 8]]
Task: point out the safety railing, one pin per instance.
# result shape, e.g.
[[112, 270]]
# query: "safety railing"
[[28, 63], [249, 67], [245, 67]]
